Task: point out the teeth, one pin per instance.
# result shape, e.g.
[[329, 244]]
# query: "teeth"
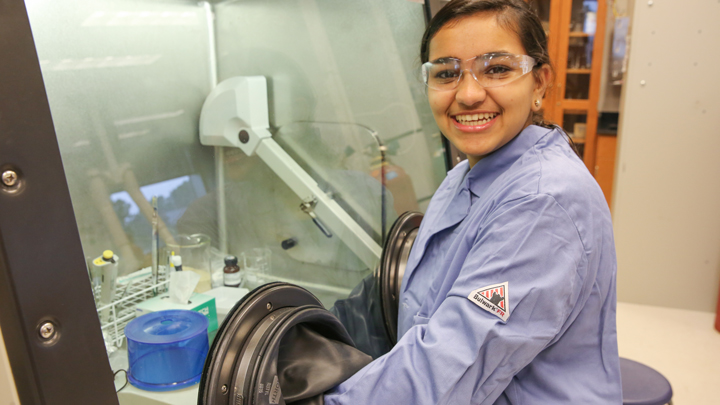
[[475, 119]]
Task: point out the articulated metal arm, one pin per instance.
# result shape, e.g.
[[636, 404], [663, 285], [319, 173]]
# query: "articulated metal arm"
[[235, 114]]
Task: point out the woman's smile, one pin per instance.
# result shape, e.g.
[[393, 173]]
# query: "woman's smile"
[[475, 121]]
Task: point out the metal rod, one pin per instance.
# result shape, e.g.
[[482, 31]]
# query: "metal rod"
[[155, 237]]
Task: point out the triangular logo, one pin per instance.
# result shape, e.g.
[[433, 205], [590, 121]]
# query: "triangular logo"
[[494, 299]]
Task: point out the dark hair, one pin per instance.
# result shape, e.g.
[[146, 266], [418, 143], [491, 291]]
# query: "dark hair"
[[515, 15]]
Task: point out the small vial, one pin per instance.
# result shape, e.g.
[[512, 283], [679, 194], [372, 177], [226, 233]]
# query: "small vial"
[[231, 272], [176, 262]]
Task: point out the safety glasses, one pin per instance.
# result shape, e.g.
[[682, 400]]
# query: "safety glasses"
[[489, 70]]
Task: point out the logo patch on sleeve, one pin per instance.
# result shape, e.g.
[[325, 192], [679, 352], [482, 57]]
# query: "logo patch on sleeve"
[[494, 299]]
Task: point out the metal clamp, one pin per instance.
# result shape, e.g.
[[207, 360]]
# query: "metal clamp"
[[308, 207]]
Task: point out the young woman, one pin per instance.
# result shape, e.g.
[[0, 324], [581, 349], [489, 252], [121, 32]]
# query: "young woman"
[[509, 292]]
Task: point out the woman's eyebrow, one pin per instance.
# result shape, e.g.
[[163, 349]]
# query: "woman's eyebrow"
[[445, 59], [497, 53], [492, 54]]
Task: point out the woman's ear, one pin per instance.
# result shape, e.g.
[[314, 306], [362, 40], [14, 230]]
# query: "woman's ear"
[[543, 76]]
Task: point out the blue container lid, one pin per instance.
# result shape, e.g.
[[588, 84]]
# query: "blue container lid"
[[167, 349], [166, 327]]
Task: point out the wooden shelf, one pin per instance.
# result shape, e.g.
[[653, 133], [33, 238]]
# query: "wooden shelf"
[[576, 104], [569, 111], [578, 34], [579, 71], [578, 141]]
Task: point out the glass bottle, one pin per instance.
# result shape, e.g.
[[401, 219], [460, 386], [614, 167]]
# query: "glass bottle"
[[231, 272]]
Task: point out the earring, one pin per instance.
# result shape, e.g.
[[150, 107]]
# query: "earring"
[[537, 103]]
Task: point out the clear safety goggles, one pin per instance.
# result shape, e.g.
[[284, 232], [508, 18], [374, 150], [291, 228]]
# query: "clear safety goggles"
[[489, 70]]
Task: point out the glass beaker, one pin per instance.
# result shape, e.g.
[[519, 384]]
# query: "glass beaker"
[[195, 253], [258, 260], [257, 264]]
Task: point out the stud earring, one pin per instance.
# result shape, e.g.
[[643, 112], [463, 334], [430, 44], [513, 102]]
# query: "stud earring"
[[537, 103]]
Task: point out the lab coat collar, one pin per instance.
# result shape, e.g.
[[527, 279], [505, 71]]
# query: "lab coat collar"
[[484, 173], [459, 196], [457, 206]]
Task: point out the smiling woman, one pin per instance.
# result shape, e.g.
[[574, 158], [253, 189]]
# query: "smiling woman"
[[507, 101], [508, 294]]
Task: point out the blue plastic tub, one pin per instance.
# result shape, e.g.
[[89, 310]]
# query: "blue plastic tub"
[[166, 349]]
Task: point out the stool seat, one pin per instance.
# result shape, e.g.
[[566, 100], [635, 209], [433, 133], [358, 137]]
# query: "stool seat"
[[641, 385]]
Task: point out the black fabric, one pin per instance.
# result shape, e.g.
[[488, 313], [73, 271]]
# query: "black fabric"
[[361, 314], [309, 364], [291, 355]]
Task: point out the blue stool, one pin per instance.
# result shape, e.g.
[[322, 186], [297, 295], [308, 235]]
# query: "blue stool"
[[641, 385]]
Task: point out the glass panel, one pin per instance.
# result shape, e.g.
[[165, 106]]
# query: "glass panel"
[[347, 161], [574, 122], [580, 54], [126, 80], [584, 17], [542, 9], [350, 62], [577, 86], [583, 23]]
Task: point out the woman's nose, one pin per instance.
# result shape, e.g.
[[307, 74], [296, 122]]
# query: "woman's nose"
[[469, 92]]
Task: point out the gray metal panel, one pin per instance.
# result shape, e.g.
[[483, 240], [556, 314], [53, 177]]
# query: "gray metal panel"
[[42, 270], [667, 193]]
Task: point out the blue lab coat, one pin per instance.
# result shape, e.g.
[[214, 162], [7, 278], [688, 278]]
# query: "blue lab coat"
[[509, 293]]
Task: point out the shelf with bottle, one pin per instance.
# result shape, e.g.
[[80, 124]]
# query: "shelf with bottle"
[[576, 35]]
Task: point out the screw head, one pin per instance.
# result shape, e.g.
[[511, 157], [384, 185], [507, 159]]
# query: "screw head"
[[47, 330], [243, 136], [9, 178], [224, 389], [269, 306]]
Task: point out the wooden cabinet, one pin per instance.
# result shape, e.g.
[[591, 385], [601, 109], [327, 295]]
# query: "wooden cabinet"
[[604, 170], [576, 32]]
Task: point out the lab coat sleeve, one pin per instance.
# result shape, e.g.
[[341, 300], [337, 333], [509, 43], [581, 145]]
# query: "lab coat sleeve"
[[463, 354]]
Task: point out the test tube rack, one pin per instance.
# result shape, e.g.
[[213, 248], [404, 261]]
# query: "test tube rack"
[[130, 290]]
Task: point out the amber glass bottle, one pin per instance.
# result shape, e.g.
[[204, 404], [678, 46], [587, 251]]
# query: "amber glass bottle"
[[231, 273]]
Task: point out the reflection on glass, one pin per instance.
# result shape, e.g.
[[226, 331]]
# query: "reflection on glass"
[[174, 196], [584, 16], [583, 23], [126, 80]]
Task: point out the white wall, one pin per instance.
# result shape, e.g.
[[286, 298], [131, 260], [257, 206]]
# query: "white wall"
[[666, 203], [8, 393]]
